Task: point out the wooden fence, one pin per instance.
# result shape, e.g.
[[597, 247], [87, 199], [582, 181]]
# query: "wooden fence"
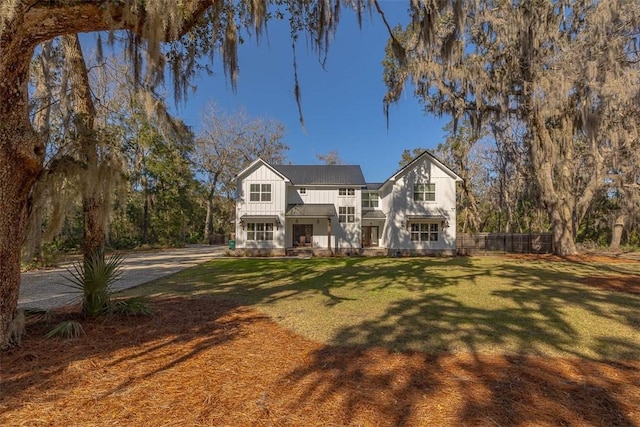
[[482, 243]]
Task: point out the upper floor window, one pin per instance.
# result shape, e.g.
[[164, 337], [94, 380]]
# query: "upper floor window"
[[260, 192], [424, 232], [259, 231], [424, 192], [346, 214], [302, 191], [346, 191], [370, 200]]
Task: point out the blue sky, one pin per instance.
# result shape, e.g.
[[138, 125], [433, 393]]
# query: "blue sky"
[[342, 103]]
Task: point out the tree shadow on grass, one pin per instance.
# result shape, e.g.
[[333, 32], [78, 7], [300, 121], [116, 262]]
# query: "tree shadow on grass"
[[536, 307], [267, 281], [524, 360], [369, 372]]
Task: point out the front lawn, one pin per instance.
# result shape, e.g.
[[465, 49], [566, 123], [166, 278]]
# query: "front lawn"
[[347, 342], [483, 305]]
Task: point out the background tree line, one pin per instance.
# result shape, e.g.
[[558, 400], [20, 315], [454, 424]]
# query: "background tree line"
[[556, 85], [497, 194], [120, 171]]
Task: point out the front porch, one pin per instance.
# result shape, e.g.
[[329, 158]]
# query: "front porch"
[[309, 229]]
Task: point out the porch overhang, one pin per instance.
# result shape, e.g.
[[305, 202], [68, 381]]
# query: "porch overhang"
[[311, 210], [259, 217], [262, 218], [375, 214], [431, 218], [426, 217]]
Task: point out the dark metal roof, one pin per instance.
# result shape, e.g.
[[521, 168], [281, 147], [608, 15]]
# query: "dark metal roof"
[[348, 175], [311, 210], [373, 186], [376, 214]]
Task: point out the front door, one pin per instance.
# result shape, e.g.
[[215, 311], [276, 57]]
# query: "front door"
[[369, 236], [302, 235]]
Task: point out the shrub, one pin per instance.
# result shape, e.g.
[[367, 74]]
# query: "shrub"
[[94, 277]]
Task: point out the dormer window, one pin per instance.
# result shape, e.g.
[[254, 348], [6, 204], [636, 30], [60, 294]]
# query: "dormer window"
[[346, 191], [302, 191]]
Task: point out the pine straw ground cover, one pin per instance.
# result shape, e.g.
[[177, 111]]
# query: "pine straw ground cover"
[[207, 358]]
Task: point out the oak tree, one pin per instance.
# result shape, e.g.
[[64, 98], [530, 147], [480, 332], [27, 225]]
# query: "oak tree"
[[569, 71], [211, 26]]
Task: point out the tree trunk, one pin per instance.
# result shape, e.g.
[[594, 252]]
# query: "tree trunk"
[[616, 231], [93, 199], [555, 188], [15, 182], [21, 159], [93, 221], [208, 227], [145, 215]]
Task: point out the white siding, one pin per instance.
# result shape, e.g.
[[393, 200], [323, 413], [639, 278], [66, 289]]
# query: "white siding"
[[399, 204], [343, 235], [348, 235], [261, 174], [396, 201]]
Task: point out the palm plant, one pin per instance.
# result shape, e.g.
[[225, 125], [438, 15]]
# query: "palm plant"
[[94, 276], [135, 306], [67, 329]]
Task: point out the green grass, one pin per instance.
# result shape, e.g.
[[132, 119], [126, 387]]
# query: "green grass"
[[480, 305]]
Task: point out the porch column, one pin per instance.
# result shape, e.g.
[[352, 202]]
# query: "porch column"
[[329, 235]]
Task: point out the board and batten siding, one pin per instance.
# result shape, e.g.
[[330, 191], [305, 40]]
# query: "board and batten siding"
[[261, 175], [399, 204], [342, 235]]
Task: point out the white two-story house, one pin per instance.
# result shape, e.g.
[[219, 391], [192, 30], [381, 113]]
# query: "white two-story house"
[[331, 209]]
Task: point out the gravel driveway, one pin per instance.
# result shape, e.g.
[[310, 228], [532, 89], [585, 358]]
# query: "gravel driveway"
[[45, 288]]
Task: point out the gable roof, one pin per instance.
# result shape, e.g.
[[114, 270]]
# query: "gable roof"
[[260, 161], [413, 162], [350, 175]]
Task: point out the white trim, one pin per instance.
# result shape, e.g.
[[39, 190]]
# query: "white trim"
[[393, 178], [246, 170]]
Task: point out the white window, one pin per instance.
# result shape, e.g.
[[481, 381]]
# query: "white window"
[[370, 200], [424, 232], [346, 214], [346, 191], [424, 192], [260, 192], [302, 191], [259, 231]]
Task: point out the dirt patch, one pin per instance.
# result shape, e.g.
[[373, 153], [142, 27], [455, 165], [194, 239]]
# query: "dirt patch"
[[210, 362]]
